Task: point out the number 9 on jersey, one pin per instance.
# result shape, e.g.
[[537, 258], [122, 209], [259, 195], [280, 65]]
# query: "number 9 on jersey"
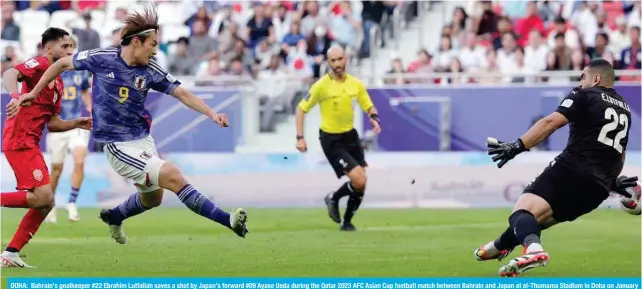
[[123, 92]]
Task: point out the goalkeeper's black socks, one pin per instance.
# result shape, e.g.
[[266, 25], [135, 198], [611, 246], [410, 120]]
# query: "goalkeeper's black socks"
[[507, 241], [526, 229]]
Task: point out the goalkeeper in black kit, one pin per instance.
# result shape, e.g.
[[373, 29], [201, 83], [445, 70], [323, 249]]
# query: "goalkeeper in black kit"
[[578, 180]]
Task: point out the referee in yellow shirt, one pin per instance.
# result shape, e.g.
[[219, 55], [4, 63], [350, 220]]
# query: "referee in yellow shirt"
[[334, 93]]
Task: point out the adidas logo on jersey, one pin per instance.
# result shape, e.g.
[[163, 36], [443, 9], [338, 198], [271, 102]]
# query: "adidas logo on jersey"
[[110, 75]]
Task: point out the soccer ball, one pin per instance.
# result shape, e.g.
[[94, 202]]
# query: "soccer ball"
[[632, 205]]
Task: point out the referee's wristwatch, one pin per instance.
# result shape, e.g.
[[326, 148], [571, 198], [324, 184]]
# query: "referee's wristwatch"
[[299, 137]]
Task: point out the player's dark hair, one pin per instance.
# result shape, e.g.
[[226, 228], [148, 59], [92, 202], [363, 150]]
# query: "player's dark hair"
[[139, 24], [52, 34], [603, 68]]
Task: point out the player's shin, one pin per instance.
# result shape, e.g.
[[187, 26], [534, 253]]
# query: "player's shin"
[[27, 229], [201, 205], [14, 199], [127, 209], [527, 230]]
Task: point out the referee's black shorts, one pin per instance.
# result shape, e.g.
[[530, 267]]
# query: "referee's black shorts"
[[343, 151], [569, 194]]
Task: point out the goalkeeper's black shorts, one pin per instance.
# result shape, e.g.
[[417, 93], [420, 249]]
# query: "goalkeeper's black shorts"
[[569, 194]]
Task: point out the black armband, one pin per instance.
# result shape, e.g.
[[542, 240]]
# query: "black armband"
[[299, 137], [375, 117]]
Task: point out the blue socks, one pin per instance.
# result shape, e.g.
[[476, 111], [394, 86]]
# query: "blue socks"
[[73, 195], [129, 208], [194, 200], [203, 206]]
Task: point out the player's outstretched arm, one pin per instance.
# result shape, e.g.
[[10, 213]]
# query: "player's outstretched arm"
[[364, 100], [192, 101], [63, 64], [543, 128], [57, 124]]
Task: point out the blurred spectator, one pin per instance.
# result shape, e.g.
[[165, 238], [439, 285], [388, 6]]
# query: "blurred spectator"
[[532, 21], [88, 38], [259, 27], [241, 52], [444, 55], [396, 73], [471, 55], [201, 45], [281, 21], [619, 39], [10, 30], [40, 51], [549, 10], [635, 14], [456, 70], [521, 68], [371, 14], [46, 5], [10, 57], [346, 26], [237, 68], [181, 63], [200, 15], [632, 55], [274, 97], [559, 58], [585, 20], [120, 14], [503, 26], [535, 53], [312, 18], [207, 77], [422, 64], [115, 38], [228, 37], [571, 37], [601, 48], [506, 59], [460, 20], [262, 54], [294, 34], [487, 22], [490, 73], [318, 45], [82, 6], [578, 61], [602, 24]]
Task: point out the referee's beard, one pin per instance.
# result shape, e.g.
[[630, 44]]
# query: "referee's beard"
[[339, 71]]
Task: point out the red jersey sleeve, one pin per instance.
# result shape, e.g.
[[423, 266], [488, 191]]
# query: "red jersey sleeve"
[[32, 66]]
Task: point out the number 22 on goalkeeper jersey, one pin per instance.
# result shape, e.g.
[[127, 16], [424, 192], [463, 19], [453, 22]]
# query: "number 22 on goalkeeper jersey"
[[119, 93]]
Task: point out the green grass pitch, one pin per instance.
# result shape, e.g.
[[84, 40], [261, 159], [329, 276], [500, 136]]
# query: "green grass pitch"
[[304, 242]]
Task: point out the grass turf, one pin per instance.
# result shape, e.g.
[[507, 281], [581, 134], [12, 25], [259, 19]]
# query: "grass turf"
[[304, 242]]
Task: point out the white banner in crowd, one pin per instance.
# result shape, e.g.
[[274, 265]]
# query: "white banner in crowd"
[[395, 180]]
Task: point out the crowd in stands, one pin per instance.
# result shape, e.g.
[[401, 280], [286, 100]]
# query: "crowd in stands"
[[494, 39], [209, 38]]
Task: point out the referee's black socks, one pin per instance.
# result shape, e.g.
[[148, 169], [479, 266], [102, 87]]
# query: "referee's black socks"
[[343, 191], [356, 197]]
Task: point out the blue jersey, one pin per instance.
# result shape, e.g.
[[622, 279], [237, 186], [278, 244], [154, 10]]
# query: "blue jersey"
[[119, 93], [75, 83]]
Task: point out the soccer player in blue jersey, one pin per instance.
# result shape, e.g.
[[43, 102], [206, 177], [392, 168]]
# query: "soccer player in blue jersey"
[[75, 101], [122, 77]]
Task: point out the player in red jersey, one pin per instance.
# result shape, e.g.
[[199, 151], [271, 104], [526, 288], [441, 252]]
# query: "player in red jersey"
[[21, 139]]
